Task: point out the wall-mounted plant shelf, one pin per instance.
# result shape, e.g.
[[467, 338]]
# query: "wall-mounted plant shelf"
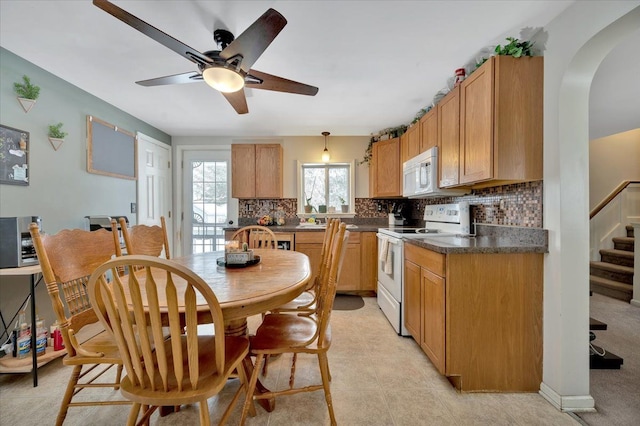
[[26, 104], [56, 143]]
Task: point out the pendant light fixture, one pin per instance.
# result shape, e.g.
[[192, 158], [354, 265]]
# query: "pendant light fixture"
[[325, 154]]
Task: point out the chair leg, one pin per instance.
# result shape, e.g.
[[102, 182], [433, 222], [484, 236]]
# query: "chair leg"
[[243, 387], [118, 377], [265, 367], [252, 387], [247, 368], [145, 409], [292, 377], [68, 394], [133, 414], [204, 413], [324, 371]]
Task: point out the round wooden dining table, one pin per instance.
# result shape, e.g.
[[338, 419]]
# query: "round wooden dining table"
[[279, 277]]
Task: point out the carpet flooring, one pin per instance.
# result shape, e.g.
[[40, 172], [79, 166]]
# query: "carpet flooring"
[[616, 392]]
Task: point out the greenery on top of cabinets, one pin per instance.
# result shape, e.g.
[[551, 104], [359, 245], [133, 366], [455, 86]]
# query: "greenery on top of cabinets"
[[26, 89], [392, 132], [515, 48]]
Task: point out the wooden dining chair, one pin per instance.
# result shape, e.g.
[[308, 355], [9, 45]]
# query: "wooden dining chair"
[[67, 260], [256, 236], [185, 368], [144, 239], [306, 301], [282, 333]]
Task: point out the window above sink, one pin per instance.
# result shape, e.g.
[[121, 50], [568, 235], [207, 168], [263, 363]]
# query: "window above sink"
[[324, 188]]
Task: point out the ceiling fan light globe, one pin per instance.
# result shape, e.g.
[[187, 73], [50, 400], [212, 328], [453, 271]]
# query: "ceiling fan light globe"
[[223, 79]]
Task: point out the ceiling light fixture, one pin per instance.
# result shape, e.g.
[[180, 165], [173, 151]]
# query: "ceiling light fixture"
[[223, 79], [325, 154]]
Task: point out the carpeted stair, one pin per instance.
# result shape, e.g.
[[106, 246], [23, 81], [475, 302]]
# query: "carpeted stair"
[[613, 275]]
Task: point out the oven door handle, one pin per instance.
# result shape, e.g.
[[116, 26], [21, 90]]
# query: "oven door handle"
[[392, 240]]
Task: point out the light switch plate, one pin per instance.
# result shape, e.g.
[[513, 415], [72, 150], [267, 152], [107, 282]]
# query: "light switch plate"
[[134, 208]]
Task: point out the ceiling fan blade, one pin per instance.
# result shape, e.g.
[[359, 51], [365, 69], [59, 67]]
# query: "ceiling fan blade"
[[238, 101], [279, 84], [255, 39], [161, 37], [186, 77]]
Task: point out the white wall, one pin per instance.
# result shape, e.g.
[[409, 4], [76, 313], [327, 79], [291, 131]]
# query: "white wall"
[[578, 40], [612, 160]]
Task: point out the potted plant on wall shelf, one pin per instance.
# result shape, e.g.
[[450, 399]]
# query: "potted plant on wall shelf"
[[27, 93], [56, 135], [344, 206]]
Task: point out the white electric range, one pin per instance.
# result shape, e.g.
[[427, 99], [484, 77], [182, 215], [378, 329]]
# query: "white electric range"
[[440, 220]]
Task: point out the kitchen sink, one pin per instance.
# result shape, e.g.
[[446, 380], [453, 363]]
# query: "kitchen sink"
[[321, 226], [311, 226]]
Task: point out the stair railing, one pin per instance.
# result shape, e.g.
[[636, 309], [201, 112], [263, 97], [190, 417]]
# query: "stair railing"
[[610, 217], [602, 204], [613, 224]]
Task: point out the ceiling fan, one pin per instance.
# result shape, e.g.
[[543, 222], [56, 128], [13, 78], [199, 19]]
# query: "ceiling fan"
[[227, 70]]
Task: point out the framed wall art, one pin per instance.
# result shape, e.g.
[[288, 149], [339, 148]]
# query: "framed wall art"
[[14, 156], [111, 151]]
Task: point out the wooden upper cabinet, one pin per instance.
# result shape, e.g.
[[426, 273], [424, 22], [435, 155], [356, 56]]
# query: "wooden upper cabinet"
[[268, 171], [449, 138], [501, 122], [243, 171], [429, 130], [410, 142], [256, 171], [386, 169]]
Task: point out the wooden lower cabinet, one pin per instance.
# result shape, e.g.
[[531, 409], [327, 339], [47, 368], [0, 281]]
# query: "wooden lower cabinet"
[[412, 297], [477, 316], [359, 265], [432, 305]]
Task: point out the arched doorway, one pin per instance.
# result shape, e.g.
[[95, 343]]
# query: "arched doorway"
[[573, 55]]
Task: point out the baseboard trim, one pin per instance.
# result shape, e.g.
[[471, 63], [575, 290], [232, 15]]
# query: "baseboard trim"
[[573, 403], [635, 302]]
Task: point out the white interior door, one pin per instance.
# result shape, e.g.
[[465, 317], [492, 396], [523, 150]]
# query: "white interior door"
[[154, 184], [207, 206]]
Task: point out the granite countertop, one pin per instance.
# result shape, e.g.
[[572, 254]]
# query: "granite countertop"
[[295, 228], [488, 239], [464, 244]]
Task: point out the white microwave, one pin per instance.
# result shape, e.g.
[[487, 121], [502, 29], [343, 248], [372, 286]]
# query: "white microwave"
[[420, 177]]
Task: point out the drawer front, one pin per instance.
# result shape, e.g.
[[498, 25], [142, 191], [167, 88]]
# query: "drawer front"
[[434, 262], [314, 237], [309, 237]]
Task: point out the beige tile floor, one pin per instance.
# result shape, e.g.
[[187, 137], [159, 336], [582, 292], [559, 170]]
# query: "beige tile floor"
[[379, 378]]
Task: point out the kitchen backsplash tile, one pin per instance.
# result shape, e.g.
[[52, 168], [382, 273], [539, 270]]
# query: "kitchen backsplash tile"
[[516, 205]]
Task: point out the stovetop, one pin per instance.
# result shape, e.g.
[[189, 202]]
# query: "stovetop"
[[439, 220], [415, 232]]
